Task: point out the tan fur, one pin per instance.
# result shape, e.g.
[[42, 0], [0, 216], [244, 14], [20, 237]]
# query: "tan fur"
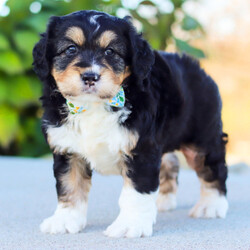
[[106, 38], [168, 173], [68, 81], [76, 35], [168, 186], [126, 73], [133, 139], [109, 73], [76, 182], [209, 185], [112, 82], [196, 159], [126, 181]]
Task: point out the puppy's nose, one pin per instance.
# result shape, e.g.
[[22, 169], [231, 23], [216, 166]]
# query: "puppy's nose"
[[90, 78]]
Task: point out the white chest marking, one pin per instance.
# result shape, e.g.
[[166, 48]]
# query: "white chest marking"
[[97, 136]]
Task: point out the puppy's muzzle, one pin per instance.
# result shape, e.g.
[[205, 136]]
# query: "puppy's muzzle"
[[90, 78]]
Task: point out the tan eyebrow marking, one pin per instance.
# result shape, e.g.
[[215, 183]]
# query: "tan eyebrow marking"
[[106, 37], [76, 35]]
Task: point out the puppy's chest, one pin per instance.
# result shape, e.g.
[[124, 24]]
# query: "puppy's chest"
[[97, 136]]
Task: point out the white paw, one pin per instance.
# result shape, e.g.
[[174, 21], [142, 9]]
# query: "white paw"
[[214, 206], [166, 202], [125, 227], [64, 220], [137, 215]]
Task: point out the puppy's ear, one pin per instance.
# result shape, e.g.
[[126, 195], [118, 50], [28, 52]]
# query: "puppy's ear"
[[42, 53], [40, 63], [142, 56]]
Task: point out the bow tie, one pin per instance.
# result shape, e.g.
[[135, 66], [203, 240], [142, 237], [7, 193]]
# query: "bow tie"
[[117, 101]]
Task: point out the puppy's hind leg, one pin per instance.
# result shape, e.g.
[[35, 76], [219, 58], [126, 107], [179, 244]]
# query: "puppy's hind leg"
[[166, 199], [73, 181], [212, 172]]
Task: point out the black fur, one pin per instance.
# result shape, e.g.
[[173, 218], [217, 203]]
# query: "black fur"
[[173, 101]]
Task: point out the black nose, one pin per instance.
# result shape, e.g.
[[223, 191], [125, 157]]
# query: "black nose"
[[90, 78]]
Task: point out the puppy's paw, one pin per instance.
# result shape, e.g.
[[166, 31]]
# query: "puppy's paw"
[[59, 225], [137, 215], [64, 220], [214, 206], [124, 227], [166, 202]]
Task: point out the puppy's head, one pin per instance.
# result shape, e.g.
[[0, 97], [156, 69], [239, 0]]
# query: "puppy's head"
[[91, 53]]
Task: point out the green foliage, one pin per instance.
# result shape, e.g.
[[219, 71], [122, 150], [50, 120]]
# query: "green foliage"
[[167, 25], [10, 62], [20, 110], [183, 46], [4, 44], [9, 124], [189, 23]]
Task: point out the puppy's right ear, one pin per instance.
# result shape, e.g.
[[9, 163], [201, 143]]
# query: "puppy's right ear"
[[40, 62], [41, 51]]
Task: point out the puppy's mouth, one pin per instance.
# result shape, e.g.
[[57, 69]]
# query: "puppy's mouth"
[[90, 89]]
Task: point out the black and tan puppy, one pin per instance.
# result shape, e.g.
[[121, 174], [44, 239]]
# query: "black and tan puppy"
[[113, 105]]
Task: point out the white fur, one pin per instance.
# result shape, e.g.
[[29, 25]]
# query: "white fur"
[[93, 21], [137, 215], [66, 219], [94, 134], [166, 202], [95, 68], [211, 204]]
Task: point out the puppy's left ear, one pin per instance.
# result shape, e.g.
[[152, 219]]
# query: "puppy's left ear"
[[142, 56]]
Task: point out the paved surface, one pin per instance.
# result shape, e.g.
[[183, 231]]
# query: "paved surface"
[[27, 196]]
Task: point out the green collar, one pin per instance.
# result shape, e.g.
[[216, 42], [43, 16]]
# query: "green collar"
[[117, 101]]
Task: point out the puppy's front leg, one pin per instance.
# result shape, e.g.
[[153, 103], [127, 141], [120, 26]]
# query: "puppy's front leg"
[[73, 181], [137, 201]]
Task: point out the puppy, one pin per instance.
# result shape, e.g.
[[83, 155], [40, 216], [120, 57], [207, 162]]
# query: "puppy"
[[114, 105]]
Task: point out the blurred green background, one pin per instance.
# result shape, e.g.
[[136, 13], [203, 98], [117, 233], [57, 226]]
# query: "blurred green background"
[[20, 25]]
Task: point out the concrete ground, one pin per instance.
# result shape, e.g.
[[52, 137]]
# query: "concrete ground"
[[27, 196]]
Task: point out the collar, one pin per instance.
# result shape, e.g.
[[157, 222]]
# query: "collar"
[[117, 101]]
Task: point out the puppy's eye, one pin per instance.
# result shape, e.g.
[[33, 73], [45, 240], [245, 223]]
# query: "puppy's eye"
[[71, 50], [109, 52]]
